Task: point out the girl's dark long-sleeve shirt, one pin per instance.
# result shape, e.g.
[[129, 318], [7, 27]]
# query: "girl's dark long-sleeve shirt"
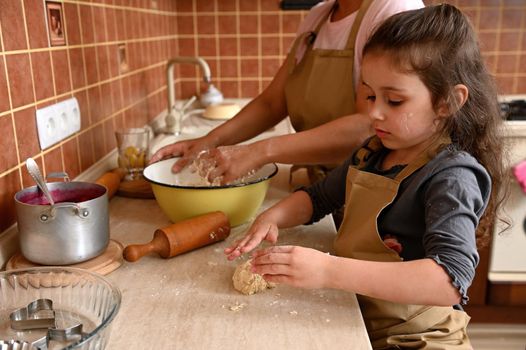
[[434, 215]]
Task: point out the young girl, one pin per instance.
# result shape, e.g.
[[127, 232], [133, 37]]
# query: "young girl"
[[414, 193]]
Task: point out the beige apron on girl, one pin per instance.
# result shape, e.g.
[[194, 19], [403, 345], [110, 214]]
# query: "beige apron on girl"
[[392, 325], [320, 88]]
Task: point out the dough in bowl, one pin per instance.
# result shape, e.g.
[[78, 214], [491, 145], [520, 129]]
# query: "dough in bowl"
[[247, 282]]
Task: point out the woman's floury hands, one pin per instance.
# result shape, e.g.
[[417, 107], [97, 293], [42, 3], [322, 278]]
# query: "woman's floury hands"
[[231, 162], [188, 150]]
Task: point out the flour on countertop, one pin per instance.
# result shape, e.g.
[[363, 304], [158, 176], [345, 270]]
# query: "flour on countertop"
[[237, 307]]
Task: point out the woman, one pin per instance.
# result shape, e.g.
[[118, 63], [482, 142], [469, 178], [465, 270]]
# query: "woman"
[[315, 86]]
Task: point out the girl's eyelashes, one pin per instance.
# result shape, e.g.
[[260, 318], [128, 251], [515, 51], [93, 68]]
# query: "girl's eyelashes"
[[395, 103]]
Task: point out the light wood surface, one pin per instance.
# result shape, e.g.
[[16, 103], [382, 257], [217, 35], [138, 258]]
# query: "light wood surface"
[[139, 188], [188, 301], [105, 263]]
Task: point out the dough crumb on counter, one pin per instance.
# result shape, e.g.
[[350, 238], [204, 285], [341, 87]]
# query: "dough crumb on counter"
[[247, 282], [237, 307]]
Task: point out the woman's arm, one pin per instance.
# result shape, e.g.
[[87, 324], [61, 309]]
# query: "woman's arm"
[[421, 282], [329, 143]]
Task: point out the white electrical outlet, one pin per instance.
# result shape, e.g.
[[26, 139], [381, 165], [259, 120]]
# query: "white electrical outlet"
[[58, 121]]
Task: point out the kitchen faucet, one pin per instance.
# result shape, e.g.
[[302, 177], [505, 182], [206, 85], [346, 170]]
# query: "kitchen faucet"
[[174, 115]]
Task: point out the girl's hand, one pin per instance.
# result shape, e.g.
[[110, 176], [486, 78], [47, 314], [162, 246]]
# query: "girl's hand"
[[187, 150], [231, 162], [293, 265], [260, 230]]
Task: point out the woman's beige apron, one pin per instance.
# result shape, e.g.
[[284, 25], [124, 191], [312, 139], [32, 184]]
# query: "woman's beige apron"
[[320, 88], [392, 325]]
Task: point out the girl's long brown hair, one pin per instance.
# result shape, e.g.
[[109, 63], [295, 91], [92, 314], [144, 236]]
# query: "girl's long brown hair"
[[439, 44]]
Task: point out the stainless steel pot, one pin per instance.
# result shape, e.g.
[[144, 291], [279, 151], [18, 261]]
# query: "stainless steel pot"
[[73, 230]]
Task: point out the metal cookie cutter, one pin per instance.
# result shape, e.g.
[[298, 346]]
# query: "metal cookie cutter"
[[63, 335], [37, 314]]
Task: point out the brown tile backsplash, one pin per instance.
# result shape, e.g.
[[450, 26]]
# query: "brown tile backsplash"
[[61, 71], [12, 25], [42, 74], [7, 159], [71, 13], [4, 96], [244, 43], [35, 17], [19, 78], [76, 59], [86, 23], [26, 133], [53, 162]]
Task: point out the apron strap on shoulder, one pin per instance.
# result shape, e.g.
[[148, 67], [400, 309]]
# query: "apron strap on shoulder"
[[306, 38], [351, 41]]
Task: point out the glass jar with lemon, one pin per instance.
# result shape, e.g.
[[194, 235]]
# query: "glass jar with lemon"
[[133, 145]]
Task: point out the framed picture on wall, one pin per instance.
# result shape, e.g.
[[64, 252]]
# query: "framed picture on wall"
[[55, 23]]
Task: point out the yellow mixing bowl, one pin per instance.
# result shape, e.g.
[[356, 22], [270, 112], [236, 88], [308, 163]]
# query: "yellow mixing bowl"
[[239, 201]]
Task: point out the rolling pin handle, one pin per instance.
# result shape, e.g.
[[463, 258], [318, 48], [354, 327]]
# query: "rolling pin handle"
[[136, 251]]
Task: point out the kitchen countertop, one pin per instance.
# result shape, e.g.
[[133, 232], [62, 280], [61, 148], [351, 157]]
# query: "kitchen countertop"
[[188, 301]]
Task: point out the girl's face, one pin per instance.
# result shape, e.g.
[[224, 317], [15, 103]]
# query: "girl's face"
[[399, 105]]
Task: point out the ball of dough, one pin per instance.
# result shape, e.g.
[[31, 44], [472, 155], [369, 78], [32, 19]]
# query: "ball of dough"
[[247, 282]]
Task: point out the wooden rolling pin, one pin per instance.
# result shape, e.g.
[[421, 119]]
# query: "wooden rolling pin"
[[111, 180], [183, 236]]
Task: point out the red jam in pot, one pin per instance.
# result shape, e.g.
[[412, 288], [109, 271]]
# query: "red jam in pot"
[[63, 195]]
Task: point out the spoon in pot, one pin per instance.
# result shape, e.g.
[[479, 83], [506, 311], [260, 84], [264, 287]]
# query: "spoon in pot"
[[34, 171]]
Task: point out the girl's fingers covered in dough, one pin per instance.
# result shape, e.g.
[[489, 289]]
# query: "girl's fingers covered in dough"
[[238, 248], [294, 265], [274, 249], [261, 229]]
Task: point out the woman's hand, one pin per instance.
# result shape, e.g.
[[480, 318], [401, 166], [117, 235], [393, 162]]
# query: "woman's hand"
[[293, 265], [187, 150], [231, 162], [261, 229]]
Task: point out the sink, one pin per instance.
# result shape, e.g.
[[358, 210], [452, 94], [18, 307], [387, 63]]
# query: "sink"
[[194, 124]]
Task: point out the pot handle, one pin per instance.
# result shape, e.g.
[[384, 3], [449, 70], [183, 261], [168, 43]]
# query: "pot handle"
[[49, 214], [59, 175]]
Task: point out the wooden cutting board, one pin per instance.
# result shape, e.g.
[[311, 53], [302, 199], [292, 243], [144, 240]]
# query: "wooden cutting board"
[[139, 188], [105, 263]]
